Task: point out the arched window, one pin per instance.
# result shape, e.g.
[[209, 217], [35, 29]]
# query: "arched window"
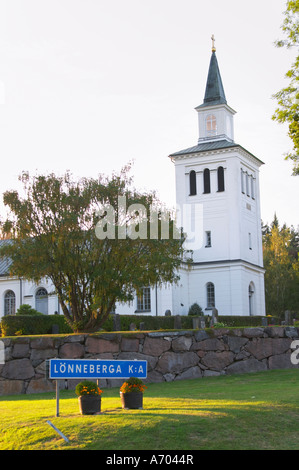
[[206, 181], [9, 303], [210, 295], [251, 298], [41, 300], [211, 125], [192, 182], [220, 177]]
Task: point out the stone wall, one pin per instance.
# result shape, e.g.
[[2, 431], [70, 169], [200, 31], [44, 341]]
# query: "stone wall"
[[170, 355]]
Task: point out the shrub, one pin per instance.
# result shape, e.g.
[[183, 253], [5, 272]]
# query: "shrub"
[[26, 309], [195, 309]]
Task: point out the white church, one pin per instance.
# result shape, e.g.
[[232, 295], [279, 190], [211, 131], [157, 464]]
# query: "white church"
[[219, 180]]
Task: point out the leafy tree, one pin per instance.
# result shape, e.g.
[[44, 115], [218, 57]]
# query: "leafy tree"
[[280, 249], [53, 228], [288, 97]]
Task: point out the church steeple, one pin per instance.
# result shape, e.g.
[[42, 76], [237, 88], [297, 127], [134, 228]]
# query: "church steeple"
[[215, 117], [214, 88]]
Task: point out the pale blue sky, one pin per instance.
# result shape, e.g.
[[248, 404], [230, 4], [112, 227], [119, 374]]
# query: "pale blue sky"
[[87, 85]]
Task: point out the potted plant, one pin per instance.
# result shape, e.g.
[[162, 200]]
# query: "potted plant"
[[131, 393], [89, 397]]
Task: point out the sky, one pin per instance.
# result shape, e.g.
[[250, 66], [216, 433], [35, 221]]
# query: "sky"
[[89, 85]]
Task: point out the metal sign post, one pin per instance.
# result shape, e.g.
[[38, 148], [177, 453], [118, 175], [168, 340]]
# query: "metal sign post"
[[96, 369], [57, 398], [84, 369]]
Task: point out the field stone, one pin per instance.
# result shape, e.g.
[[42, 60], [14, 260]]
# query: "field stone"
[[182, 343], [11, 387], [281, 361], [211, 344], [71, 351], [201, 335], [42, 343], [20, 351], [261, 348], [235, 343], [171, 362], [275, 332], [151, 361], [98, 345], [155, 346], [40, 385], [38, 356], [130, 344], [291, 332], [169, 377], [192, 373], [218, 360], [18, 369], [154, 377], [253, 332], [248, 365]]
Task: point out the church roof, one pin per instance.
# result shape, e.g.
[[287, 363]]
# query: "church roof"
[[4, 262], [213, 145], [206, 146], [214, 93]]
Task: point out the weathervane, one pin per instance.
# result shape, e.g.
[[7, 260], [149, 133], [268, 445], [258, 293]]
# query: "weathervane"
[[213, 43]]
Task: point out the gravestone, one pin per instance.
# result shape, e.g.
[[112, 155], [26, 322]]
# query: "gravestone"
[[195, 323], [55, 329], [214, 316], [132, 327], [177, 322], [116, 322], [287, 317], [167, 313]]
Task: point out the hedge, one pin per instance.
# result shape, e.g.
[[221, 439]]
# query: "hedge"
[[15, 325], [164, 323], [150, 322]]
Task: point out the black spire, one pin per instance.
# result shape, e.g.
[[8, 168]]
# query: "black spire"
[[214, 88]]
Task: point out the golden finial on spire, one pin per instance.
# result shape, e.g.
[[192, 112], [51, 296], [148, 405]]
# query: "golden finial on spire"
[[213, 43]]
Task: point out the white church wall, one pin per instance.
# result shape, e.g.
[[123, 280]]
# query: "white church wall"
[[9, 284], [25, 293]]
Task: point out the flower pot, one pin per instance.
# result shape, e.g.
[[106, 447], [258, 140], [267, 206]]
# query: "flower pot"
[[132, 400], [89, 404]]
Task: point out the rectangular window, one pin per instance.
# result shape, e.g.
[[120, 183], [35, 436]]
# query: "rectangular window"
[[252, 188], [144, 300], [247, 185], [242, 181], [208, 240], [249, 241]]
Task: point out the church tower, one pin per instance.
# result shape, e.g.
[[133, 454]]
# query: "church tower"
[[217, 184]]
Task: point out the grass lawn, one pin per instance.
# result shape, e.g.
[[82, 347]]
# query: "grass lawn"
[[242, 412]]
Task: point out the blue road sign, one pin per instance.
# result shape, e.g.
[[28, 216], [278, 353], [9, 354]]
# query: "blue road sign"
[[96, 369]]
